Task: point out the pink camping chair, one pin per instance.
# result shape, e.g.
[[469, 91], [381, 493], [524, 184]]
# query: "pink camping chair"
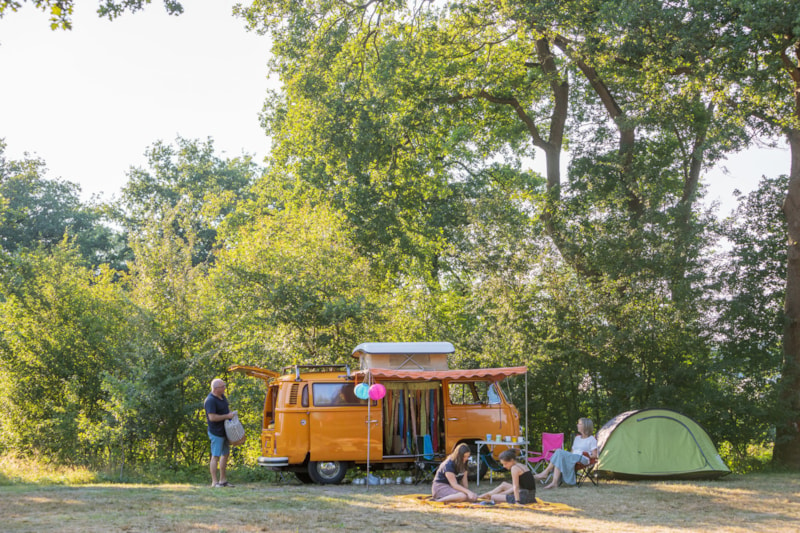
[[550, 443]]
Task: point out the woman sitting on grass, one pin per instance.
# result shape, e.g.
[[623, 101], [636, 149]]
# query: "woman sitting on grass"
[[562, 464], [450, 482], [522, 488]]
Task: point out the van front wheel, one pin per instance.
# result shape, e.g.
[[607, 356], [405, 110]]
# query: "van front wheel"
[[327, 472]]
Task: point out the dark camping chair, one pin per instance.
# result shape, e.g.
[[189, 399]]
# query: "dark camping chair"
[[426, 464], [424, 471], [489, 463], [586, 471]]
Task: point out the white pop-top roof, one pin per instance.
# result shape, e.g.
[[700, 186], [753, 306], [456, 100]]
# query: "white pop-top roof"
[[407, 348]]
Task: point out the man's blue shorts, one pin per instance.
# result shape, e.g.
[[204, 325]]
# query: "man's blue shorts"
[[219, 446]]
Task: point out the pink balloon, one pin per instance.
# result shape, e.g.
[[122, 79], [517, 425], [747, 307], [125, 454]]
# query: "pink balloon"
[[377, 391]]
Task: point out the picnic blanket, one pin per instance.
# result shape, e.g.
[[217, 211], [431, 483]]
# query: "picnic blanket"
[[548, 507]]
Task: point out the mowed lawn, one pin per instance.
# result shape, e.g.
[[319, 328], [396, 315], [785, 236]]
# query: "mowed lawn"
[[755, 502]]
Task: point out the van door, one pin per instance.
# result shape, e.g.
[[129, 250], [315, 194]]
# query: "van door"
[[474, 410], [489, 414], [343, 426], [292, 422], [459, 402]]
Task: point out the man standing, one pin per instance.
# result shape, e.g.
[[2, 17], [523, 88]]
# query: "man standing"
[[217, 412]]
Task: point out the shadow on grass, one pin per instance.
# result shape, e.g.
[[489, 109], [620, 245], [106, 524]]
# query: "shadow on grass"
[[761, 503], [757, 503]]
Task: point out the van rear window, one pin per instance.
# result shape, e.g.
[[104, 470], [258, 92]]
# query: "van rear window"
[[335, 394], [474, 392]]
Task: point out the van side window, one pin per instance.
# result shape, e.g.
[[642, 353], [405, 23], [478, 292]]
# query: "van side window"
[[335, 394], [493, 394], [473, 392], [304, 396]]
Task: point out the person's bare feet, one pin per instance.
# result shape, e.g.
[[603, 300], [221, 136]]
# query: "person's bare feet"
[[550, 486]]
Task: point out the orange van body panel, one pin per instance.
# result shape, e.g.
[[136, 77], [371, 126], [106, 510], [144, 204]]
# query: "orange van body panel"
[[340, 434]]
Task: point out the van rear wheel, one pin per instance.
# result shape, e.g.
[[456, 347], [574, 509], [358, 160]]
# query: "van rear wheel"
[[327, 472]]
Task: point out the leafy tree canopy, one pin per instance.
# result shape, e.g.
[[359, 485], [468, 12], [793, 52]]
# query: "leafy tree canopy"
[[295, 272], [752, 291], [38, 212], [190, 177], [61, 326], [401, 113], [61, 10]]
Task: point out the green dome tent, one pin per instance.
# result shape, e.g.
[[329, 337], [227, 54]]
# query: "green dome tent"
[[657, 444]]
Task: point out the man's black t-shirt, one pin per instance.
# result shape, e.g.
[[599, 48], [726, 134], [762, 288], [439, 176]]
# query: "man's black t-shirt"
[[219, 407]]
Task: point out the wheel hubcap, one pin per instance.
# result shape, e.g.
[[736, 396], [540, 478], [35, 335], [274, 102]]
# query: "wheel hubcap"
[[328, 469]]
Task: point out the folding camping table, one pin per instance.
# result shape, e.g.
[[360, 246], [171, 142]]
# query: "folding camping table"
[[491, 444]]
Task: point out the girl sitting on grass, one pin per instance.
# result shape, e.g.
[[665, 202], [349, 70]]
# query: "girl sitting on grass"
[[450, 483], [522, 488]]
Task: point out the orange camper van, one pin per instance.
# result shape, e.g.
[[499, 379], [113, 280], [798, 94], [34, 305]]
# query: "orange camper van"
[[316, 426]]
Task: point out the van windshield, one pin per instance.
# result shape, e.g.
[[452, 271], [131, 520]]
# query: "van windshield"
[[474, 392], [335, 394]]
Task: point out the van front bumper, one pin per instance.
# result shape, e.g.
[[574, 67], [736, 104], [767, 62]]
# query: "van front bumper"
[[273, 461]]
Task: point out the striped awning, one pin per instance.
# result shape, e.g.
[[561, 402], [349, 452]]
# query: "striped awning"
[[438, 375]]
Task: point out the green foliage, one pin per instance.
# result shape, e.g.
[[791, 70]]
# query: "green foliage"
[[416, 103], [191, 178], [746, 458], [399, 204], [383, 143], [61, 10], [293, 274], [752, 292], [62, 325], [14, 469], [157, 389], [404, 129], [37, 212]]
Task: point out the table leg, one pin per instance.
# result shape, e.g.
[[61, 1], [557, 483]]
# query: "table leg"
[[478, 466]]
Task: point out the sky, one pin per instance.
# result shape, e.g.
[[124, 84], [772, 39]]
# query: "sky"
[[90, 101]]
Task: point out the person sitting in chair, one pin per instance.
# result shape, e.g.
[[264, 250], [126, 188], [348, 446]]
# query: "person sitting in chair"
[[522, 488], [450, 482], [562, 464]]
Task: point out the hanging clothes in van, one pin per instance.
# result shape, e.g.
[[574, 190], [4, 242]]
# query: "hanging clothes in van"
[[410, 412]]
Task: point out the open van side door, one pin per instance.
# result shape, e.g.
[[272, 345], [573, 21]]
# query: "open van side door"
[[254, 372]]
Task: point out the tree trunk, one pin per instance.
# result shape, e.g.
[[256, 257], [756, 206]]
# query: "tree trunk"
[[787, 432], [787, 440]]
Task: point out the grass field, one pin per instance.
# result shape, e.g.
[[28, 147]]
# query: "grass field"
[[755, 502]]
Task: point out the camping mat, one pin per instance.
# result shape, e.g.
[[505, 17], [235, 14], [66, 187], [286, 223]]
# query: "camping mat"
[[538, 506]]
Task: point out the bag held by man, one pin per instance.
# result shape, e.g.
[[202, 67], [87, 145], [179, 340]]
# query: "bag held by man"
[[234, 431]]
